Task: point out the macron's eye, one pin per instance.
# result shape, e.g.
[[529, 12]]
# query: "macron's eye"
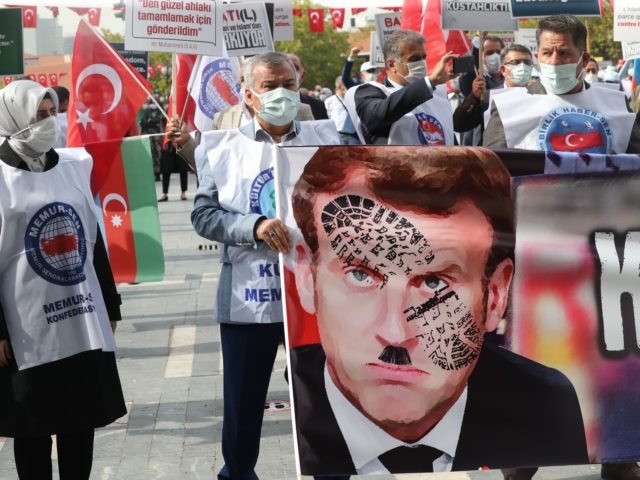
[[359, 278]]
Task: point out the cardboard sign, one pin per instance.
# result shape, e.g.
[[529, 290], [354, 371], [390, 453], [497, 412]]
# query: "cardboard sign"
[[386, 24], [477, 15], [283, 20], [246, 30], [626, 21], [527, 37], [630, 50], [11, 50], [182, 26], [544, 8], [137, 59]]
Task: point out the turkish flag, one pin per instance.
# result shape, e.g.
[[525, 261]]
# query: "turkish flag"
[[42, 79], [94, 16], [184, 67], [297, 12], [55, 11], [106, 94], [337, 17], [53, 79], [7, 80], [355, 11], [29, 17], [80, 10], [316, 19], [575, 141]]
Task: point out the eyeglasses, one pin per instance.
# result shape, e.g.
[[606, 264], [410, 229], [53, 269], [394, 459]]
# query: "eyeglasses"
[[513, 63]]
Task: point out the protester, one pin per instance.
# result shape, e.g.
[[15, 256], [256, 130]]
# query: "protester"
[[592, 69], [317, 107], [233, 117], [368, 71], [61, 117], [492, 47], [406, 108], [250, 331], [516, 64], [58, 374], [562, 58], [338, 112]]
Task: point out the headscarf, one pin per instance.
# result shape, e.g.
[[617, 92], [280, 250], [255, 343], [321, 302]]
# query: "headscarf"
[[19, 103]]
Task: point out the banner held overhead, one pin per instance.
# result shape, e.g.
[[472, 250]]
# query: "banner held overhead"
[[543, 8]]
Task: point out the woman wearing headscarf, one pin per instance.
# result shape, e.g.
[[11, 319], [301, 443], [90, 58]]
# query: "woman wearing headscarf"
[[58, 371]]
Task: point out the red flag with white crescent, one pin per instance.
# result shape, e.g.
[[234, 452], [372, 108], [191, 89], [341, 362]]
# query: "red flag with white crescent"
[[42, 79], [29, 16], [53, 79], [337, 17], [355, 11], [316, 19], [184, 67], [94, 16]]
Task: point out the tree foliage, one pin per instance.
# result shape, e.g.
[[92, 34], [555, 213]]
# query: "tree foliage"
[[323, 53]]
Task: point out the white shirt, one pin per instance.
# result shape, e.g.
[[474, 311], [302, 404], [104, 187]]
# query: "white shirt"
[[337, 112], [34, 164], [366, 441]]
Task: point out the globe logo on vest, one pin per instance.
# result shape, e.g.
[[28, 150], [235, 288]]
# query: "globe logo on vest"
[[220, 89], [574, 129], [262, 195], [430, 130], [55, 244]]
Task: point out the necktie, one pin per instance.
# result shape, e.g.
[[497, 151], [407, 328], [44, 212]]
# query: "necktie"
[[410, 460]]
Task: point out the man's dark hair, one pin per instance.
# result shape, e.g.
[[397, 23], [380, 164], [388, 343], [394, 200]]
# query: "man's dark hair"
[[564, 24], [423, 180], [514, 47], [62, 92], [493, 38]]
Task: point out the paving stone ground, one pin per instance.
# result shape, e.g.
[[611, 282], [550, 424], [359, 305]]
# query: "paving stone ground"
[[170, 366]]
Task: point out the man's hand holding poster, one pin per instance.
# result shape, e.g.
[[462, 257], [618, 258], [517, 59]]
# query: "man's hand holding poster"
[[405, 264]]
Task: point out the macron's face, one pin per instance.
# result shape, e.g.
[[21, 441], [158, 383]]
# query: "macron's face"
[[400, 305]]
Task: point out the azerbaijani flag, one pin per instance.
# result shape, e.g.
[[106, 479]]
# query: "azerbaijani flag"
[[128, 214]]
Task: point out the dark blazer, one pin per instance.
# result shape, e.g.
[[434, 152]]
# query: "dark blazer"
[[518, 413], [377, 111], [317, 107], [494, 136]]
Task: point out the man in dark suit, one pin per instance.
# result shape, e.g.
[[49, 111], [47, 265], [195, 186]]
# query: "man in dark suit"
[[317, 107], [407, 262], [405, 63]]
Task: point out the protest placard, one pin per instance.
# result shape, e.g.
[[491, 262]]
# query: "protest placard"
[[138, 59], [386, 24], [477, 15], [626, 21], [376, 55], [630, 50], [11, 51], [182, 26], [543, 8], [283, 20], [246, 29], [527, 37]]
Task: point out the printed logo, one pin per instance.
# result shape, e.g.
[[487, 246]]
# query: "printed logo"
[[55, 244], [574, 129], [220, 89], [262, 196], [430, 131]]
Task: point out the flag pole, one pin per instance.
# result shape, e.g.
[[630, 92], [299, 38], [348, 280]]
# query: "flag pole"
[[127, 66], [174, 89], [192, 81]]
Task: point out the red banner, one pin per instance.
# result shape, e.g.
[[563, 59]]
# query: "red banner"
[[316, 19], [337, 17]]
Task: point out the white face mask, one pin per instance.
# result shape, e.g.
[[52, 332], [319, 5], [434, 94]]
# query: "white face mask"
[[560, 79], [278, 107], [38, 137], [492, 63], [370, 77], [591, 78], [417, 70], [520, 74]]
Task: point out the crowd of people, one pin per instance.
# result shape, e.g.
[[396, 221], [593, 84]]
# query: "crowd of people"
[[402, 104]]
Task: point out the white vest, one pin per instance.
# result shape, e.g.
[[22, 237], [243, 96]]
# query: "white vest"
[[591, 121], [243, 171], [50, 295], [430, 123]]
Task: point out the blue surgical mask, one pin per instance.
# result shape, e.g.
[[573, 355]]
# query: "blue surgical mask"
[[520, 74], [278, 107], [560, 79]]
